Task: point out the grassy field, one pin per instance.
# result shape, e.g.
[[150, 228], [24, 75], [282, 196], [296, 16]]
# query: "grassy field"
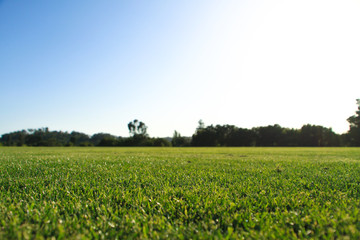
[[181, 193]]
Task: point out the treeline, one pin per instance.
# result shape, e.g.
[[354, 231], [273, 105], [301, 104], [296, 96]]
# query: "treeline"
[[269, 136], [219, 135], [44, 137], [275, 135]]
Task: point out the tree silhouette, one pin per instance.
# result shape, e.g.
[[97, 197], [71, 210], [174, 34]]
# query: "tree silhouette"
[[354, 131], [137, 127]]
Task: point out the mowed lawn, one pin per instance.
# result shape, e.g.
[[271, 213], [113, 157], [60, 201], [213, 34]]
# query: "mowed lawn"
[[179, 193]]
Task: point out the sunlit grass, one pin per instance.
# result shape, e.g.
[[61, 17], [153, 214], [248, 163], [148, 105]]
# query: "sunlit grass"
[[179, 193]]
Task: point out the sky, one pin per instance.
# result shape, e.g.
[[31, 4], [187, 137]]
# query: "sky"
[[94, 66]]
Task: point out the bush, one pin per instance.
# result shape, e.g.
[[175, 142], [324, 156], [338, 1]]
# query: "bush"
[[160, 142]]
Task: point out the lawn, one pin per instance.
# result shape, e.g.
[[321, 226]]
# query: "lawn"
[[179, 193]]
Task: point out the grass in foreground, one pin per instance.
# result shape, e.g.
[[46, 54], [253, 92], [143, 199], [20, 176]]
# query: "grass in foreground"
[[181, 193]]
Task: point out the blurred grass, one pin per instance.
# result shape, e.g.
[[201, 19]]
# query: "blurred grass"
[[182, 193]]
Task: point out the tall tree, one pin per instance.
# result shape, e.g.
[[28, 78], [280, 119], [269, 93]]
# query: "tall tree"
[[178, 140], [137, 127], [354, 131], [201, 124]]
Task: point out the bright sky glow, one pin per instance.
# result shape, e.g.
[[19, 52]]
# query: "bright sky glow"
[[93, 66]]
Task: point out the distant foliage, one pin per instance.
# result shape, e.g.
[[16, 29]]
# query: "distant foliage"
[[218, 135], [44, 137], [180, 141], [99, 139], [36, 137], [267, 136]]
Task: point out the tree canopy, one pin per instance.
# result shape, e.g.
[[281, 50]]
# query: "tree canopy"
[[137, 127]]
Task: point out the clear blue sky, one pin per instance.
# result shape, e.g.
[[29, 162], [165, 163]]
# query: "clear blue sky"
[[93, 66]]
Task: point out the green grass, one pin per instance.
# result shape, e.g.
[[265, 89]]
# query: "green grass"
[[181, 193]]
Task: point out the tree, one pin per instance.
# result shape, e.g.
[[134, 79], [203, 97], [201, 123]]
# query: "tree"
[[137, 127], [160, 142], [205, 137], [15, 138], [290, 137], [241, 137], [318, 136], [269, 135], [98, 138], [201, 125], [108, 141], [78, 138], [179, 141], [354, 131]]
